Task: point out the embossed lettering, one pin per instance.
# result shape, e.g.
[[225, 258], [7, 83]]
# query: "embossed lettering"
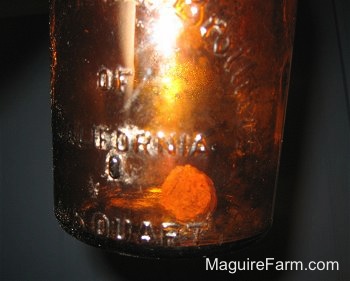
[[105, 79], [167, 144], [100, 224], [138, 141], [170, 233], [142, 142], [195, 229], [113, 80], [199, 145], [214, 29], [122, 142], [78, 222], [146, 232], [103, 137], [166, 233]]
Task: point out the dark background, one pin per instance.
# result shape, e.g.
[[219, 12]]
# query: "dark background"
[[312, 219]]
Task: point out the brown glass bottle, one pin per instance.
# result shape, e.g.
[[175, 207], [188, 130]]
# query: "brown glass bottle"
[[167, 120]]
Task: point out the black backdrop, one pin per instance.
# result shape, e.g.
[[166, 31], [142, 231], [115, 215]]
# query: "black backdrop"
[[312, 212]]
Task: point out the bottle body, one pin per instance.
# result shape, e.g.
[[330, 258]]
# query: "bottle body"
[[167, 120]]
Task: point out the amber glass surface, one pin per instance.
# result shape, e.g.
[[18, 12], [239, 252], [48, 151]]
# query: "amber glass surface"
[[167, 120]]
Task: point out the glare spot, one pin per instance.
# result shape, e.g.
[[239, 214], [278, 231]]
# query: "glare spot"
[[198, 137], [166, 30], [203, 31], [145, 237], [194, 10], [160, 134]]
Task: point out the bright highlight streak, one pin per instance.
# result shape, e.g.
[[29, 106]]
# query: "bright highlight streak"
[[166, 30]]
